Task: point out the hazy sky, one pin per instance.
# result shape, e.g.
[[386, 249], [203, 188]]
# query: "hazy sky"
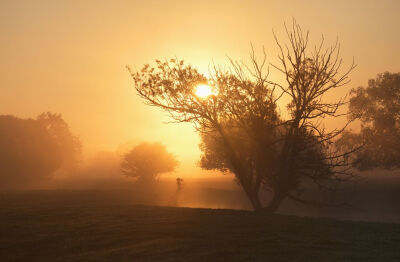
[[69, 56]]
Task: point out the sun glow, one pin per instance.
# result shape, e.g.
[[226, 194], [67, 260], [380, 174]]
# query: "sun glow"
[[203, 91]]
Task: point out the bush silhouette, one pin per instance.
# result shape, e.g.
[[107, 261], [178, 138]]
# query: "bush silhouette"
[[147, 161]]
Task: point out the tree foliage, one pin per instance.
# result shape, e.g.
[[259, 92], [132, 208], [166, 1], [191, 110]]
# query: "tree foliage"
[[70, 145], [241, 125], [378, 108], [147, 161], [30, 151]]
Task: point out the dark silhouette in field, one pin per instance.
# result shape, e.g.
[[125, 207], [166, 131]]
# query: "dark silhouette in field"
[[179, 184], [243, 129], [378, 108], [147, 161], [32, 150]]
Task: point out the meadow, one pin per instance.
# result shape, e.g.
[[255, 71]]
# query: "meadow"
[[63, 225]]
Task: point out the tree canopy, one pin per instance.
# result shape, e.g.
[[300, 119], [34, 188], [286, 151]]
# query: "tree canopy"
[[31, 151], [147, 161], [242, 128], [70, 145], [378, 108]]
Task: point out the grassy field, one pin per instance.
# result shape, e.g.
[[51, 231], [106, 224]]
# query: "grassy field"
[[101, 226]]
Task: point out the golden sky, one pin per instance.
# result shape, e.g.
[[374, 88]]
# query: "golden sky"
[[69, 56]]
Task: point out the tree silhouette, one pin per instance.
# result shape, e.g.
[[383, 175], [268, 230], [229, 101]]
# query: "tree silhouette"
[[378, 108], [147, 161], [30, 150], [71, 146], [240, 123], [27, 152]]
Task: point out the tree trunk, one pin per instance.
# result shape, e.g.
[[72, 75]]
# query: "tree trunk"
[[254, 200], [252, 196], [275, 203]]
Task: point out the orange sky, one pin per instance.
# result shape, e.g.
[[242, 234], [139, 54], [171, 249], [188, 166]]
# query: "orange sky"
[[70, 56]]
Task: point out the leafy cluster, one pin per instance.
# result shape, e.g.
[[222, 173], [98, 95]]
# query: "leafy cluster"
[[378, 108]]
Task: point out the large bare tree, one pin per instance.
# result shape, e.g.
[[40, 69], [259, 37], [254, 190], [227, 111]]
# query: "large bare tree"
[[242, 127]]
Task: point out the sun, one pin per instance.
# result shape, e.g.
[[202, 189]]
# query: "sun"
[[203, 91]]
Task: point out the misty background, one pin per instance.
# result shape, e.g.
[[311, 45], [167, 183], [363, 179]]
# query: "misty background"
[[375, 196]]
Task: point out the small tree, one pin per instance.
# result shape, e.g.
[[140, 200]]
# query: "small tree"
[[378, 108], [147, 161], [240, 124]]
